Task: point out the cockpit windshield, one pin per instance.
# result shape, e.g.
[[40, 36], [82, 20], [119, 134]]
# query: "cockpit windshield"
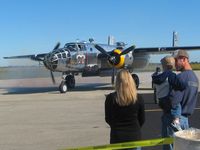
[[71, 47], [75, 46]]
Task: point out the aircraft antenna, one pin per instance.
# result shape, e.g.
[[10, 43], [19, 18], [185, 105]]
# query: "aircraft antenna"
[[77, 40], [175, 39]]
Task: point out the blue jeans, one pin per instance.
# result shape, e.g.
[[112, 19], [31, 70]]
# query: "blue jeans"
[[168, 131], [184, 122]]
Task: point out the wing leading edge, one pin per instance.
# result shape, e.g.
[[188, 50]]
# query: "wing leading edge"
[[38, 57]]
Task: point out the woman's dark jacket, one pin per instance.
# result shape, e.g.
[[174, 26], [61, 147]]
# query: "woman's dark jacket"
[[125, 121]]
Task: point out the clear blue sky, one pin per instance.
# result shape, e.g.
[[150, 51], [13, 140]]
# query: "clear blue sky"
[[35, 26]]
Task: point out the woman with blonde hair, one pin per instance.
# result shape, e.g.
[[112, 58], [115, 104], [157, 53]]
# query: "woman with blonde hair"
[[124, 110]]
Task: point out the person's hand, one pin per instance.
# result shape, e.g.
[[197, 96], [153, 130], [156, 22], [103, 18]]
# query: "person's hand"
[[176, 125], [176, 121]]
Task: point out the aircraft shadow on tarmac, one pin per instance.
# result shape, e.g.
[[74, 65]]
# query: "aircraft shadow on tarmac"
[[54, 89], [28, 90]]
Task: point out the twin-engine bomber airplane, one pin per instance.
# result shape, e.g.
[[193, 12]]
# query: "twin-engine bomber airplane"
[[93, 59]]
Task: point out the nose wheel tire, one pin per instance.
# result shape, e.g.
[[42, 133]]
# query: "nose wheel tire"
[[63, 87], [68, 83]]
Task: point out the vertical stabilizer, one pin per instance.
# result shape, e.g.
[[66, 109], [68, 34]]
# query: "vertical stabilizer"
[[111, 40], [175, 39]]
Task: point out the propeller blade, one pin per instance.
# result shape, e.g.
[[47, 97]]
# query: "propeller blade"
[[103, 51], [128, 50], [57, 46], [52, 77]]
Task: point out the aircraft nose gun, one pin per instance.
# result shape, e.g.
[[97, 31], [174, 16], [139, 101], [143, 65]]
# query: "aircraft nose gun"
[[51, 61]]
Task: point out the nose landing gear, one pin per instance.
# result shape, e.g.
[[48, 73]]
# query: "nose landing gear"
[[67, 83]]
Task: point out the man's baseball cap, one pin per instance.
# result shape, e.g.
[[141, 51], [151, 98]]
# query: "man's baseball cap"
[[180, 53]]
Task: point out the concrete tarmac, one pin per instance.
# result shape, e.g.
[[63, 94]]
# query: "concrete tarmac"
[[35, 116]]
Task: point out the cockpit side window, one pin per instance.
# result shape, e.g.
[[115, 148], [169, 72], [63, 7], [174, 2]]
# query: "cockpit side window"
[[90, 48], [81, 47], [71, 47], [75, 47]]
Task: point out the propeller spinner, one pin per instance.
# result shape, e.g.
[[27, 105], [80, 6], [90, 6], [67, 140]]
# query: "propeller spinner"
[[116, 57]]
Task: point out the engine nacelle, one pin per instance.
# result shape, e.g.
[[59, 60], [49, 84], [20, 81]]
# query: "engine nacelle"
[[140, 61]]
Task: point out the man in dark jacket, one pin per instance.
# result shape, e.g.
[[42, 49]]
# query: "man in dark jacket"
[[188, 97]]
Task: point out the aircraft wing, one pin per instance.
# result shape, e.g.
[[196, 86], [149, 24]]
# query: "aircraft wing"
[[163, 50], [38, 57]]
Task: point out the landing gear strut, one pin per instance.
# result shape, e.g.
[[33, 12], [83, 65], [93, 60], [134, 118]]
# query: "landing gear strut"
[[68, 82], [136, 79]]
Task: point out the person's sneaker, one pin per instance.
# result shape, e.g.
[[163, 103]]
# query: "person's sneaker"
[[176, 126]]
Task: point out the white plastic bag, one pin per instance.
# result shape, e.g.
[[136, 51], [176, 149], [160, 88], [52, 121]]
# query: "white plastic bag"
[[187, 139]]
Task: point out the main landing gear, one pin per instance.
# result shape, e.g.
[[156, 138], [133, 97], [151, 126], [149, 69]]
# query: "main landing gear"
[[136, 79], [68, 82]]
